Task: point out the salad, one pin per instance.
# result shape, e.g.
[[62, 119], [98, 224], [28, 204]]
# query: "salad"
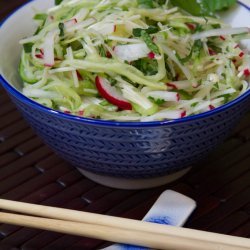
[[132, 60]]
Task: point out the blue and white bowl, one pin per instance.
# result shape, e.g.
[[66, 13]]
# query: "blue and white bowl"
[[118, 154]]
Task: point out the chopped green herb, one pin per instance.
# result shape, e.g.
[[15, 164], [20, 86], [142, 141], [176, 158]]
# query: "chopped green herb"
[[156, 101], [137, 32], [102, 51], [149, 42], [161, 2], [184, 94], [28, 47], [40, 17], [112, 81], [226, 98], [203, 7], [61, 28], [216, 26], [146, 3], [146, 66], [216, 85], [57, 2], [196, 49], [198, 28], [194, 104], [104, 103]]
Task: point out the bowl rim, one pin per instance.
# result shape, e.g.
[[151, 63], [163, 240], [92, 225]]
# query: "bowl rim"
[[110, 123]]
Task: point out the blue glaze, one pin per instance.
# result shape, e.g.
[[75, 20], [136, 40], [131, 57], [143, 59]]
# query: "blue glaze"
[[130, 149], [164, 220], [244, 5], [130, 247]]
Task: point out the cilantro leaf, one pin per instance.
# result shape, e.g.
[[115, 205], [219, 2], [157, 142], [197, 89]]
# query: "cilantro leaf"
[[145, 35], [40, 16], [146, 3], [57, 2], [156, 101], [61, 28], [150, 30], [203, 7], [196, 49], [149, 42], [28, 47], [146, 66]]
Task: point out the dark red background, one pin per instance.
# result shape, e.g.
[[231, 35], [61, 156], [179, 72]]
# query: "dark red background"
[[30, 171]]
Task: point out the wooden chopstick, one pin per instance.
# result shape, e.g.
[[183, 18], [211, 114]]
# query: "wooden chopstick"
[[88, 230], [117, 229], [152, 240]]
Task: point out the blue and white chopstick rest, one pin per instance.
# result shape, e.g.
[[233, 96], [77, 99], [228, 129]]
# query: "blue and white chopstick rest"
[[171, 208]]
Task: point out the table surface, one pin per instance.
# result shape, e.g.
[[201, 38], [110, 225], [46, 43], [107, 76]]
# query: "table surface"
[[31, 172]]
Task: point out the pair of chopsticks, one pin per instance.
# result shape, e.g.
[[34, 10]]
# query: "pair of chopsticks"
[[115, 229]]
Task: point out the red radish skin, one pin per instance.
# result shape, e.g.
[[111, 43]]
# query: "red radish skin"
[[108, 54], [183, 114], [67, 112], [171, 85], [39, 56], [79, 76], [222, 38], [105, 93], [211, 52], [81, 113], [241, 54], [211, 107], [191, 26], [178, 97], [246, 72], [70, 22], [48, 65], [236, 46], [151, 55]]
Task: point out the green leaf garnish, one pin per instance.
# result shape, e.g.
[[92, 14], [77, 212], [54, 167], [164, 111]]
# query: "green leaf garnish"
[[40, 17], [28, 47], [146, 3], [57, 2], [61, 28], [203, 7]]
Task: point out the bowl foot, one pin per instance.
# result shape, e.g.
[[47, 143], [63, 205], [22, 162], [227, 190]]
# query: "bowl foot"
[[128, 184]]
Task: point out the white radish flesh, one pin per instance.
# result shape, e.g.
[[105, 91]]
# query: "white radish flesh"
[[132, 52]]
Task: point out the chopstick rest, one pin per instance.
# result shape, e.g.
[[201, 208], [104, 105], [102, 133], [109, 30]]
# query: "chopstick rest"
[[171, 208]]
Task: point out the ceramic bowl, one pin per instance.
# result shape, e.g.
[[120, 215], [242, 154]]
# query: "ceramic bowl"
[[127, 155]]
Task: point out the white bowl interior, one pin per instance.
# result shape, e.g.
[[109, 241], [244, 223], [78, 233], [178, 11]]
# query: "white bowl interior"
[[20, 25]]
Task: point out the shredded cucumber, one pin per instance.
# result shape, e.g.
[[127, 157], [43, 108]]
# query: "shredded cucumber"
[[132, 60]]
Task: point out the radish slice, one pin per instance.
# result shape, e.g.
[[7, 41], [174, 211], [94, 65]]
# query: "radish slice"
[[185, 84], [164, 95], [70, 23], [132, 52], [48, 49], [111, 94], [104, 28]]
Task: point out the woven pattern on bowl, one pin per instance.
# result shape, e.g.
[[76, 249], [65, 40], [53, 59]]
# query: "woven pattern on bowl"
[[132, 152]]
